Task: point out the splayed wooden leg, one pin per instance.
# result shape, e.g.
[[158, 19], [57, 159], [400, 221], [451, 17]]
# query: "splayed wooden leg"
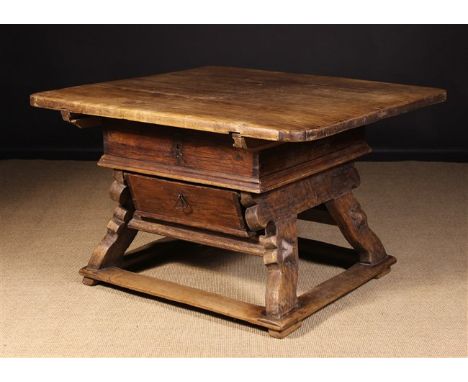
[[119, 236], [352, 221], [281, 259]]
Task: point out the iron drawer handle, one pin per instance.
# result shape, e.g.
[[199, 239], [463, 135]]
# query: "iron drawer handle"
[[182, 203]]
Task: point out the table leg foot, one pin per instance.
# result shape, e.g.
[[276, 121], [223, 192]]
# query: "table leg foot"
[[89, 282], [352, 221], [284, 333]]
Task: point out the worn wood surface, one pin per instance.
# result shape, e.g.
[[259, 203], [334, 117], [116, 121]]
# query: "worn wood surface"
[[298, 196], [182, 294], [284, 310], [214, 159], [352, 221], [308, 303], [334, 288], [189, 204], [281, 259], [119, 236], [280, 334], [253, 103], [237, 244], [181, 154], [267, 152]]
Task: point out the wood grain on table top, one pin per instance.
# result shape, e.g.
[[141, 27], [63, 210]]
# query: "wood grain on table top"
[[254, 103]]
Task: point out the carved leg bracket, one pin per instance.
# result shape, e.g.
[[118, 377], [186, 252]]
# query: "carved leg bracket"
[[281, 260], [119, 236]]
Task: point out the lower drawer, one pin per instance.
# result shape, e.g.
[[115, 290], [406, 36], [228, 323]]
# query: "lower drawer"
[[188, 204]]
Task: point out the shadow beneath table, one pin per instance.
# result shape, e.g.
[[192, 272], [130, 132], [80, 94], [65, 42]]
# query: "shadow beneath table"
[[168, 250]]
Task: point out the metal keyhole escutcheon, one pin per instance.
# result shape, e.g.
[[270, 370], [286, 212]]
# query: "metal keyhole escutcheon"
[[183, 204], [178, 154]]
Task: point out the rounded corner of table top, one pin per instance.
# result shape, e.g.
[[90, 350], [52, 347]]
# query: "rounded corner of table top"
[[33, 99]]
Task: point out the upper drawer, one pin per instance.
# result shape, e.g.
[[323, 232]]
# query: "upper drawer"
[[182, 154], [210, 159], [188, 204]]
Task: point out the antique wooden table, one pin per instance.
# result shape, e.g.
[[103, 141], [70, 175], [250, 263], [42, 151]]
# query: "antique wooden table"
[[231, 158]]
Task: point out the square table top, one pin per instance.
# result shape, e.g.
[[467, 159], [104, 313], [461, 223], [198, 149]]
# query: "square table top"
[[253, 103]]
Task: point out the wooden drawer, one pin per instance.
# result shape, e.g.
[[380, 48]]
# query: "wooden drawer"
[[183, 203], [187, 155], [210, 159]]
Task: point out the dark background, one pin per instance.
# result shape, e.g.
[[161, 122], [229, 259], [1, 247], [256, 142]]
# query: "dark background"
[[37, 58]]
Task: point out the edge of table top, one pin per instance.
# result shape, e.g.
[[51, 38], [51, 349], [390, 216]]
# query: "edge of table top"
[[57, 100]]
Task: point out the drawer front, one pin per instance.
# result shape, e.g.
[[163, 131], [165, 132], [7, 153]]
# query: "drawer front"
[[187, 204], [169, 152]]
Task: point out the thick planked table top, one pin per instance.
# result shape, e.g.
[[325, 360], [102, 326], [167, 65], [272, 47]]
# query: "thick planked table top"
[[254, 103]]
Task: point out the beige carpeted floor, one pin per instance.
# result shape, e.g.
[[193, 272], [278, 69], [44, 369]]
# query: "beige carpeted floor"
[[52, 214]]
